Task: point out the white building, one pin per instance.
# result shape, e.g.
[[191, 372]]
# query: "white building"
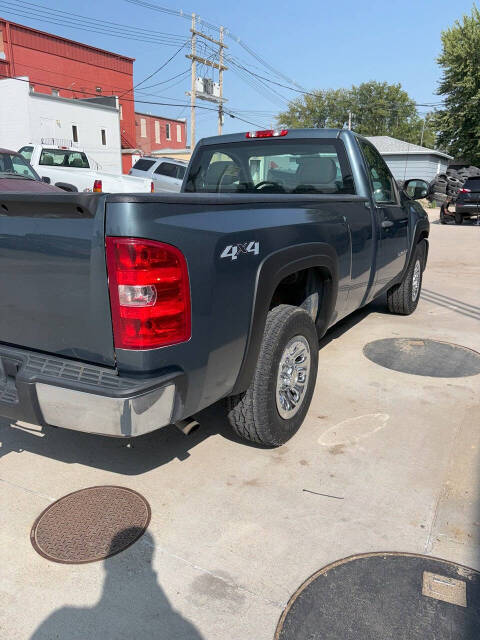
[[407, 160], [92, 125]]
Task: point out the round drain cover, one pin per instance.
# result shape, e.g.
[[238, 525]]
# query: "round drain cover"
[[424, 357], [387, 596], [90, 524]]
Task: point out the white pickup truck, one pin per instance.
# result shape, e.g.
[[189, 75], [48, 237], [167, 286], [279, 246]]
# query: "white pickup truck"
[[74, 170]]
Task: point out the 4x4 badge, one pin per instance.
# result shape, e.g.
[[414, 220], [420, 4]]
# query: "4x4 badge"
[[234, 250]]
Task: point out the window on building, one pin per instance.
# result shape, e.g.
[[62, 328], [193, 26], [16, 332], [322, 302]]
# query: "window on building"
[[179, 132], [55, 92], [104, 137], [121, 113], [143, 128], [157, 131], [74, 133], [167, 127], [2, 47]]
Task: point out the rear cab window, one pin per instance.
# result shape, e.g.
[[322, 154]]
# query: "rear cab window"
[[64, 158], [272, 166]]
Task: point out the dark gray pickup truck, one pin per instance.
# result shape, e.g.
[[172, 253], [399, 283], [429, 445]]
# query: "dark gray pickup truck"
[[124, 313]]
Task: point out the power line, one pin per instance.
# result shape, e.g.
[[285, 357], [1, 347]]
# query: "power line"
[[183, 73], [229, 112], [74, 21], [230, 34], [162, 66]]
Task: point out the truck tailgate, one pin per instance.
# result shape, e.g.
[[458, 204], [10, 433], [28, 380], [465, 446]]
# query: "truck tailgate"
[[53, 285]]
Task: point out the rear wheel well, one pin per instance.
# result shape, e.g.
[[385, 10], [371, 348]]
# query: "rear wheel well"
[[309, 289]]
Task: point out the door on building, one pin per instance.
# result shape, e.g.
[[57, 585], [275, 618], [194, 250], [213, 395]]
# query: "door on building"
[[392, 217]]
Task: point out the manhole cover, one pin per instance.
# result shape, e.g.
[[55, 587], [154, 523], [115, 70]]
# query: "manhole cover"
[[385, 596], [90, 524], [424, 357]]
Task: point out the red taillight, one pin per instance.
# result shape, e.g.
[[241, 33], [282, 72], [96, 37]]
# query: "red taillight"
[[152, 187], [268, 133], [463, 190], [149, 293], [97, 186]]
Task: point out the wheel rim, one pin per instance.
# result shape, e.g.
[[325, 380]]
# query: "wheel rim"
[[293, 375], [417, 274]]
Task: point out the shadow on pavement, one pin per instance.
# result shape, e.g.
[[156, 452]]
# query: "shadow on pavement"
[[132, 605], [139, 455]]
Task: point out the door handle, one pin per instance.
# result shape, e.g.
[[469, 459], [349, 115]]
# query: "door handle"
[[387, 223]]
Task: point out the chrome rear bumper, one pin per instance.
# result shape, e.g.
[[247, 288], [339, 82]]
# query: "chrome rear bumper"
[[123, 417], [49, 390]]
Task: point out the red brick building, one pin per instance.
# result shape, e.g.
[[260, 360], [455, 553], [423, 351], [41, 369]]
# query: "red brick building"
[[156, 132], [59, 66]]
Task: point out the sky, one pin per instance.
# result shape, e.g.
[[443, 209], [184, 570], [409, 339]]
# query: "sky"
[[313, 43]]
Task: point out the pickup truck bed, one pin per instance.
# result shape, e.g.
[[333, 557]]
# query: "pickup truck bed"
[[60, 362]]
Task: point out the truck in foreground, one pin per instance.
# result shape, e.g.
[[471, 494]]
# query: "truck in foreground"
[[124, 313]]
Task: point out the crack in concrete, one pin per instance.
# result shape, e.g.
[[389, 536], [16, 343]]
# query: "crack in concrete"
[[233, 585], [19, 486]]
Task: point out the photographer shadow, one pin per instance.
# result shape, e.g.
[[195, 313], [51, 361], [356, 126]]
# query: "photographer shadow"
[[132, 604]]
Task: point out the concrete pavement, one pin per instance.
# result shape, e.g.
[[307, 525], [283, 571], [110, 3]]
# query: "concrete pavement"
[[235, 529]]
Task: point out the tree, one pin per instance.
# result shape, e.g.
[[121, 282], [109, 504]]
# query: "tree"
[[458, 124], [375, 109]]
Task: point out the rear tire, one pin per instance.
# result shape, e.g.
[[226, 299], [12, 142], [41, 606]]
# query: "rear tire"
[[443, 217], [275, 404], [458, 218], [403, 298]]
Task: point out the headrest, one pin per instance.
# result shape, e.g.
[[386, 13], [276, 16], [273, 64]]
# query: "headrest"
[[317, 171]]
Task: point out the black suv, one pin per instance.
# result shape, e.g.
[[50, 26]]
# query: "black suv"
[[468, 200]]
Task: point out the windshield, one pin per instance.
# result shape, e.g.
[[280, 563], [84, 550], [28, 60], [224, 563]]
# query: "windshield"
[[13, 165], [26, 152], [272, 166]]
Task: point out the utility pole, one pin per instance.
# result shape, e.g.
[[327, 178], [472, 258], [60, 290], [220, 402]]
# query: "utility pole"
[[206, 95], [220, 82], [423, 131], [349, 120], [193, 93]]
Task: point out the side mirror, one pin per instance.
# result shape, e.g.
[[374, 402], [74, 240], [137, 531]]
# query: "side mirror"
[[416, 189], [46, 179]]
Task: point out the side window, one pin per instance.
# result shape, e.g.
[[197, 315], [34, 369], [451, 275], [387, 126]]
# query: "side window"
[[383, 184], [167, 169], [181, 172]]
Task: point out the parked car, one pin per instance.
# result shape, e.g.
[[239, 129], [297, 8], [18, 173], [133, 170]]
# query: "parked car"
[[130, 312], [167, 173], [75, 170], [467, 204], [16, 174]]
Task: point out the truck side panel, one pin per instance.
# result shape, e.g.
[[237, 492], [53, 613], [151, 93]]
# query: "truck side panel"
[[223, 289]]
